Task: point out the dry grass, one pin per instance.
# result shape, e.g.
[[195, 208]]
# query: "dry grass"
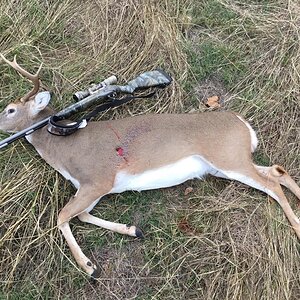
[[223, 240]]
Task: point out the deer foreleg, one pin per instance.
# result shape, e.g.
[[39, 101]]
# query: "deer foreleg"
[[79, 256], [116, 227], [78, 204]]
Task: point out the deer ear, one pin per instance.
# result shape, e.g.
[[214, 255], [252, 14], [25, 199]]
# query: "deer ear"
[[40, 101]]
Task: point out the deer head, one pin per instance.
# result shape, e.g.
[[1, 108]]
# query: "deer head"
[[27, 110]]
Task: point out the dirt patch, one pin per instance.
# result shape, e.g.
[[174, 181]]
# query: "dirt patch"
[[212, 86], [244, 230], [122, 272]]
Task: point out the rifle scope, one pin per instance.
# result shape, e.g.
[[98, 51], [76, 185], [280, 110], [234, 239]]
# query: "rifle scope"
[[94, 88]]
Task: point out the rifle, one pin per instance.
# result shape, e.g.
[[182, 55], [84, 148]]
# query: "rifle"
[[104, 90]]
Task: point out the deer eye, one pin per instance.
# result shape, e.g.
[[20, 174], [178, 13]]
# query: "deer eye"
[[11, 111]]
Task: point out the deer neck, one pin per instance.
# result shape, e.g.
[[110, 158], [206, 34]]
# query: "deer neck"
[[47, 112], [35, 137]]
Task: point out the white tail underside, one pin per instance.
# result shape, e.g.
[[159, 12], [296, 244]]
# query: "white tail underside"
[[254, 140]]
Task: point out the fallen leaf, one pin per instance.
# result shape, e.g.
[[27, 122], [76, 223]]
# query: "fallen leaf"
[[188, 190], [213, 101], [185, 227]]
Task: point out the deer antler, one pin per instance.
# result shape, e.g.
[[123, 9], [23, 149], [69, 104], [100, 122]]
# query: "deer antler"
[[32, 77]]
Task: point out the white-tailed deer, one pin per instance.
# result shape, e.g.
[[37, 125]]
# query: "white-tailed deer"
[[143, 153]]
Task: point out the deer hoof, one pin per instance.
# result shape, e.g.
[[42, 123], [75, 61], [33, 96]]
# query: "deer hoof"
[[96, 274], [139, 233]]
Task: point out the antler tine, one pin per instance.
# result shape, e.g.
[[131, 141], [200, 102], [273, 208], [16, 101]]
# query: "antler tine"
[[32, 77]]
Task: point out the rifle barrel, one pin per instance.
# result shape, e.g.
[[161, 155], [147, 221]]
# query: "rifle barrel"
[[24, 132]]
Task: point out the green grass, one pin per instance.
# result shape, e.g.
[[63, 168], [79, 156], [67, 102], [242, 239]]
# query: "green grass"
[[208, 58], [212, 14]]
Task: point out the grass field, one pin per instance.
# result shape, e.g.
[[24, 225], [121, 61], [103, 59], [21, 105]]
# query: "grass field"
[[223, 240]]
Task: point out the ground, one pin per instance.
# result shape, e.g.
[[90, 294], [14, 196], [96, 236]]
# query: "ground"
[[211, 239]]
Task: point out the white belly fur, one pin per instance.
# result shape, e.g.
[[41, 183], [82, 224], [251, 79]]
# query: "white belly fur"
[[188, 168]]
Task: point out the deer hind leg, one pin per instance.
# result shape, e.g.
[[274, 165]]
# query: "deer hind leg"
[[279, 174], [116, 227], [258, 178]]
